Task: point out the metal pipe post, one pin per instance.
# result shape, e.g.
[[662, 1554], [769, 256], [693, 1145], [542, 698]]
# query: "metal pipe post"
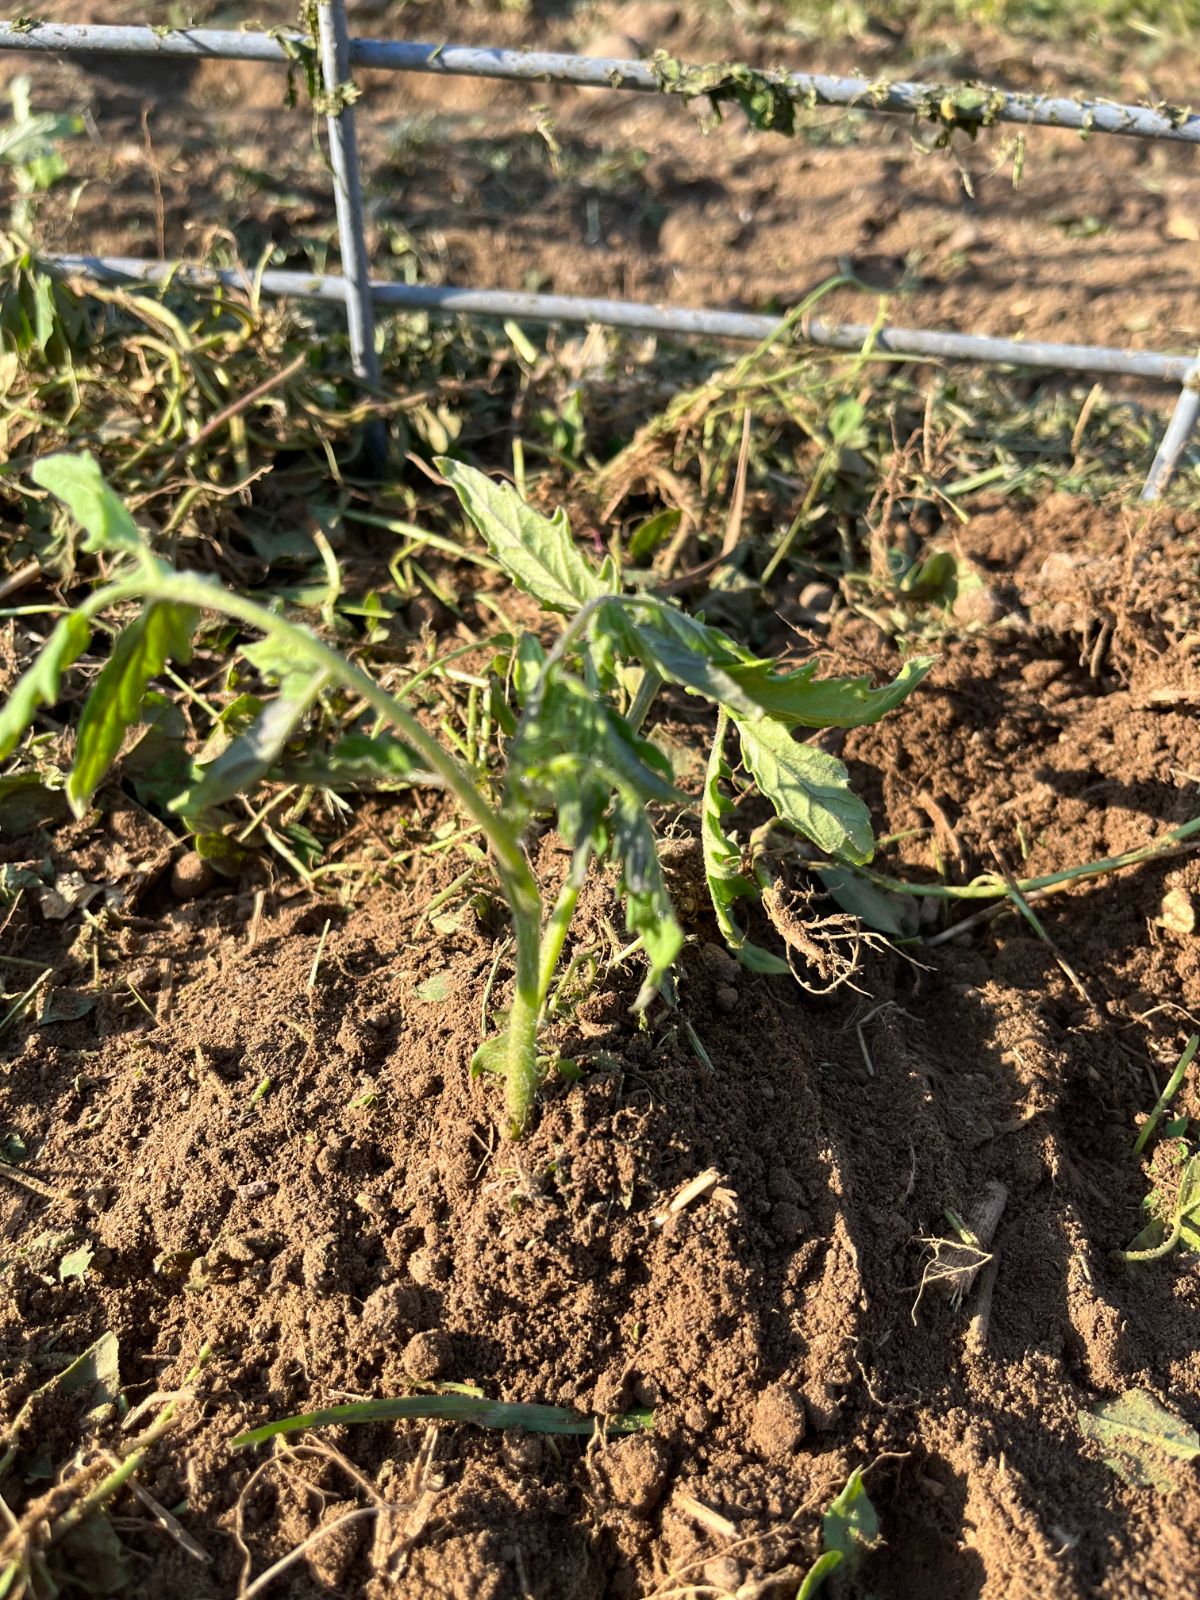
[[1175, 439], [347, 191]]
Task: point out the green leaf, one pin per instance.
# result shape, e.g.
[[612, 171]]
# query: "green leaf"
[[437, 988], [1144, 1436], [380, 756], [1187, 1205], [75, 1264], [41, 684], [654, 531], [801, 698], [77, 481], [848, 1530], [453, 1407], [723, 862], [492, 1056], [44, 310], [527, 665], [702, 658], [809, 790], [537, 552], [884, 912], [248, 758], [93, 1377], [851, 1524], [690, 653], [648, 909], [277, 660], [844, 422], [162, 632], [821, 1568]]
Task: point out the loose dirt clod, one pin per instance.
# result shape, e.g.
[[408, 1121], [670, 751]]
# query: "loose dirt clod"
[[632, 1474], [428, 1355]]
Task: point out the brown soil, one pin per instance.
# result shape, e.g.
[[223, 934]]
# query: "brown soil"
[[357, 1225]]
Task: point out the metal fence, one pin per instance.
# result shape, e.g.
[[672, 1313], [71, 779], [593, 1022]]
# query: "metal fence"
[[360, 294]]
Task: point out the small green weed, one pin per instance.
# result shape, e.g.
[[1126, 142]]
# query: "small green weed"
[[1174, 1202], [848, 1530]]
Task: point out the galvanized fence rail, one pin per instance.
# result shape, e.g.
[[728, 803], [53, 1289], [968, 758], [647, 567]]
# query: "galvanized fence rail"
[[361, 294]]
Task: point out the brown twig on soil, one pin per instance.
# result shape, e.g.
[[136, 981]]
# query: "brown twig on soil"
[[389, 1555], [166, 1520], [954, 1264], [705, 1515], [28, 1181], [981, 1317], [227, 413]]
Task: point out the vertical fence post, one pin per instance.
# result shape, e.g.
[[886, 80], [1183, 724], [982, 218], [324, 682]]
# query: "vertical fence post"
[[1175, 439], [347, 190]]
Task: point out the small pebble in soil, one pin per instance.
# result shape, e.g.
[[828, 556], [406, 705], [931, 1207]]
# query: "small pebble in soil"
[[393, 1309], [823, 1401], [983, 606], [524, 1452], [697, 1419], [428, 1266], [720, 966], [318, 1265], [781, 1185], [723, 1573], [632, 1473], [428, 1355], [779, 1424], [726, 998], [1178, 912], [191, 876]]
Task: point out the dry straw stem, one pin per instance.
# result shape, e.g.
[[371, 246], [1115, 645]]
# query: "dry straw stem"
[[398, 1524], [954, 1264]]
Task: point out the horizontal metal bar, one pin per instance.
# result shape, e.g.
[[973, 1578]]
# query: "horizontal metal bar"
[[595, 72], [651, 318]]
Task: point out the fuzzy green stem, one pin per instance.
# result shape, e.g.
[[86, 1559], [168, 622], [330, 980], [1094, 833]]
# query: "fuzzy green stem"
[[521, 1076], [538, 952], [1135, 1257], [993, 887], [554, 934], [154, 581]]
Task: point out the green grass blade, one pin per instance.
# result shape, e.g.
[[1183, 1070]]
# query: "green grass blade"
[[452, 1408], [1168, 1094]]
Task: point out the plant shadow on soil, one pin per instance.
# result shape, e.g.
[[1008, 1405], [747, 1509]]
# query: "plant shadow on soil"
[[296, 1170]]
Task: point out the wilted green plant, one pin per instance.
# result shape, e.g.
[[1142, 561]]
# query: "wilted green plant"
[[577, 752], [849, 1529]]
